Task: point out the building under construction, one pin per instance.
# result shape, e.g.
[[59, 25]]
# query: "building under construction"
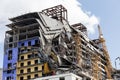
[[41, 44]]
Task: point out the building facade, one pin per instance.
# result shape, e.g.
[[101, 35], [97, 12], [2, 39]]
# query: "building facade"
[[43, 44], [116, 74]]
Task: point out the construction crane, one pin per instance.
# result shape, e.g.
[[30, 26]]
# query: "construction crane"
[[105, 51]]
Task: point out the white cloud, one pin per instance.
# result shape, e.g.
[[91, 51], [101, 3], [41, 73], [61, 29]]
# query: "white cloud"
[[11, 8], [2, 32]]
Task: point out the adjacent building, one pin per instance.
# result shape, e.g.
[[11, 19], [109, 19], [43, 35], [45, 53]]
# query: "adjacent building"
[[116, 74], [0, 73]]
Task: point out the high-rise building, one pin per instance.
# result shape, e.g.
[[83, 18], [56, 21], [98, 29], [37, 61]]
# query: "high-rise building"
[[43, 43]]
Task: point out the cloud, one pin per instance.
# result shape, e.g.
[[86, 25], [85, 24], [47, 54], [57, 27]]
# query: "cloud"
[[12, 8], [2, 32]]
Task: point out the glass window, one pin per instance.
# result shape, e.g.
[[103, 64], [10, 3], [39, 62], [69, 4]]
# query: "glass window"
[[28, 63], [42, 67], [10, 51], [9, 65], [9, 78], [10, 39], [36, 55], [9, 71], [22, 57], [29, 43], [10, 45], [36, 41], [62, 78], [22, 64], [22, 44], [36, 75], [29, 56], [28, 70], [35, 68], [21, 71], [29, 77], [36, 61], [21, 78], [9, 54]]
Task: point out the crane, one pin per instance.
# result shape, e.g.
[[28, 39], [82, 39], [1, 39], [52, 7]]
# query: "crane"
[[106, 54]]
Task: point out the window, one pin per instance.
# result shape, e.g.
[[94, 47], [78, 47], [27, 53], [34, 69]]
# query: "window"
[[22, 64], [9, 78], [11, 39], [22, 30], [10, 45], [15, 45], [12, 72], [10, 51], [21, 71], [21, 78], [29, 43], [29, 56], [9, 54], [62, 78], [36, 76], [36, 61], [22, 44], [29, 77], [22, 57], [21, 37], [28, 70], [9, 65], [36, 55], [42, 67], [28, 63], [36, 42], [35, 68], [9, 71]]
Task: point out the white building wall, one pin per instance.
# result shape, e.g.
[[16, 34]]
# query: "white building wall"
[[69, 76]]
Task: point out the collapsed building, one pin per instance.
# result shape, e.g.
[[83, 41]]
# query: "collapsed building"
[[43, 44]]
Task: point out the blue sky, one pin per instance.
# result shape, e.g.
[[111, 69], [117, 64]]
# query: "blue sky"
[[89, 12], [109, 13]]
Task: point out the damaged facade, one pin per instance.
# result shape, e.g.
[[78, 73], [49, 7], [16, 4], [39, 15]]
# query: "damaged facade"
[[43, 44]]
